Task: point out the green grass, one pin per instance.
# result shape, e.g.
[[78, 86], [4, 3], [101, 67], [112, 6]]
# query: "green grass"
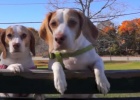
[[113, 65], [118, 95], [122, 65]]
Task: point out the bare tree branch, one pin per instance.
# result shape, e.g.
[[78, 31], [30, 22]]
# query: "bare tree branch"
[[88, 7], [107, 12], [82, 5], [101, 8]]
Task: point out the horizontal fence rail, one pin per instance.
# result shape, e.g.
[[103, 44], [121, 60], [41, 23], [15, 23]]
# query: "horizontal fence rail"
[[41, 81]]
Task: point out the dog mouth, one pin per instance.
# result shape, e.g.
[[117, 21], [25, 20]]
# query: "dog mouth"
[[16, 51], [60, 47]]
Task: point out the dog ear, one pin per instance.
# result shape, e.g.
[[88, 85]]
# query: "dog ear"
[[32, 41], [3, 43], [45, 31], [88, 29]]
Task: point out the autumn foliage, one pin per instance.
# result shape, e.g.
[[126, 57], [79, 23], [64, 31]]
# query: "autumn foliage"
[[122, 40], [108, 29], [129, 27]]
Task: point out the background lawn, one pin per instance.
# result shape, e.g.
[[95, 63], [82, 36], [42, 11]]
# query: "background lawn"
[[113, 65], [122, 65]]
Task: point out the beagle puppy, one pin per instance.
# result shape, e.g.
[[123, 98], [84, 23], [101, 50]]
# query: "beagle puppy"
[[17, 43], [66, 31]]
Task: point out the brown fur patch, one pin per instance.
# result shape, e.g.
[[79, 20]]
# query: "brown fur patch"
[[3, 44], [89, 30], [74, 14], [45, 32]]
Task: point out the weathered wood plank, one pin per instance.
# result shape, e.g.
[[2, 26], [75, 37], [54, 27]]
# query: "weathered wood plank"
[[47, 74], [41, 81], [121, 98]]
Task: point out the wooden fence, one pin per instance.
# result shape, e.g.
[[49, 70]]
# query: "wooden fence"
[[83, 82]]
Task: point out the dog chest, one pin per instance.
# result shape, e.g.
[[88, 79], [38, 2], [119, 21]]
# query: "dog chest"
[[74, 63]]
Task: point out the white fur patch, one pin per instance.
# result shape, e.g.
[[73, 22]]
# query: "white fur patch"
[[16, 39], [64, 29], [59, 77]]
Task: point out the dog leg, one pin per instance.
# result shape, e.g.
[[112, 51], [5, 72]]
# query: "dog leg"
[[102, 83], [59, 77]]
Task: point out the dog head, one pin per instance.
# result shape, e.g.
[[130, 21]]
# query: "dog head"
[[61, 28], [17, 39]]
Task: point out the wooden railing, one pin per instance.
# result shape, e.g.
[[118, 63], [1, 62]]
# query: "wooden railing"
[[79, 82]]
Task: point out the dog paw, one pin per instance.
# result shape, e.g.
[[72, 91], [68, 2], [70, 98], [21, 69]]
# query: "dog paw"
[[60, 82], [102, 84], [59, 77], [15, 68]]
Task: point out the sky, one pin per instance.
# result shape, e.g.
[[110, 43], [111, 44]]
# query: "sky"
[[36, 12]]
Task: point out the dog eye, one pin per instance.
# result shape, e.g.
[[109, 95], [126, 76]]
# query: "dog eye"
[[9, 35], [23, 36], [53, 24], [72, 23]]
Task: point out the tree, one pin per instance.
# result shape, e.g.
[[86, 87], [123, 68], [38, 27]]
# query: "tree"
[[130, 36], [109, 40], [108, 11]]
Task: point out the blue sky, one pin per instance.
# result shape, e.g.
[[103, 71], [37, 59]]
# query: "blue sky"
[[36, 13]]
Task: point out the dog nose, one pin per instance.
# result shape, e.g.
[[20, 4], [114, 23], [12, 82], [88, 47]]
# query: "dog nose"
[[60, 38], [16, 45]]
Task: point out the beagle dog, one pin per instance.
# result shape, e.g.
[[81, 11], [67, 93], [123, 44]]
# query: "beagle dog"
[[67, 31], [17, 43]]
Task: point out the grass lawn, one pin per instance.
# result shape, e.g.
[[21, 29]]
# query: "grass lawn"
[[41, 63], [114, 65], [122, 65]]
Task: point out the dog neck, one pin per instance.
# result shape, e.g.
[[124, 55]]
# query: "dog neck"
[[80, 43]]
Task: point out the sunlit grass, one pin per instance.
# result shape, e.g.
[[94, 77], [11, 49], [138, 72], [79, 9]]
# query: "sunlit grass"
[[113, 65], [41, 63], [122, 65]]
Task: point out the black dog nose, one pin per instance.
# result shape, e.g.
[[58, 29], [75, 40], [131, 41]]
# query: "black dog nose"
[[59, 39], [16, 45]]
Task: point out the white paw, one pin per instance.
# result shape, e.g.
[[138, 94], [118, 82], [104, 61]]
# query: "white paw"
[[15, 68], [102, 84], [59, 78], [60, 82]]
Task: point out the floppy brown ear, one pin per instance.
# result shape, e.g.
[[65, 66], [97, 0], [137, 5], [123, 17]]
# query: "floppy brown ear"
[[45, 31], [89, 30], [3, 43], [32, 42]]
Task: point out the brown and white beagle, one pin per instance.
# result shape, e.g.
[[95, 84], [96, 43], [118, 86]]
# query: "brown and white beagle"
[[17, 43], [66, 31]]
